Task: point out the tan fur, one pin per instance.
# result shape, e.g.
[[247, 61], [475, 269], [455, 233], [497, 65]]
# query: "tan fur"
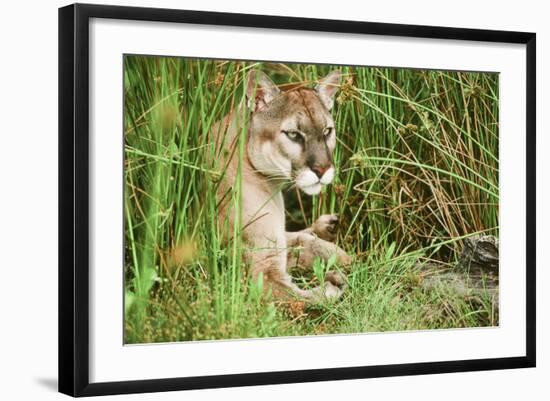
[[270, 159]]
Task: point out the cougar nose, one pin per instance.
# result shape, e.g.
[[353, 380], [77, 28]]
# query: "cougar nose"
[[319, 169]]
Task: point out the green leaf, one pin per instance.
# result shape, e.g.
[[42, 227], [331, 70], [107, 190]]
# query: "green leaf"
[[331, 261], [390, 251], [129, 298]]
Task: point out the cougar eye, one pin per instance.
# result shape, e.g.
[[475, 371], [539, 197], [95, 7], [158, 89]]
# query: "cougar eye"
[[293, 135], [328, 131]]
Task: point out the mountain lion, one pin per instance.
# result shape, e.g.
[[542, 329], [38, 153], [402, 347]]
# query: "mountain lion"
[[291, 137]]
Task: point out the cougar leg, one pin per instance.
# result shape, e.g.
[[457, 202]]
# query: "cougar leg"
[[325, 227], [303, 248], [271, 263]]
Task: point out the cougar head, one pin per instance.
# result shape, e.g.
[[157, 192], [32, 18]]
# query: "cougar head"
[[292, 134]]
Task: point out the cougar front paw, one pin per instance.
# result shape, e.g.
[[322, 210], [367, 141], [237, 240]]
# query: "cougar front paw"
[[332, 292], [326, 227], [332, 289], [336, 278]]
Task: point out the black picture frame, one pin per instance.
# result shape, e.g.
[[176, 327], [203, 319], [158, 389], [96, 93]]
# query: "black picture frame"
[[74, 194]]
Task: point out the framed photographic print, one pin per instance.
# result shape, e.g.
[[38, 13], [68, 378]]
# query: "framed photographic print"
[[249, 199]]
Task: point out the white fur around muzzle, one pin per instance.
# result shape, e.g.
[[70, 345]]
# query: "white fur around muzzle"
[[308, 181]]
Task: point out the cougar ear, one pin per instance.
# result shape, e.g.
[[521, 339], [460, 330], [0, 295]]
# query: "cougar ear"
[[260, 90], [327, 88]]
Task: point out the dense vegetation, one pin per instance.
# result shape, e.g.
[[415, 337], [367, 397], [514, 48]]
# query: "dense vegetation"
[[417, 160]]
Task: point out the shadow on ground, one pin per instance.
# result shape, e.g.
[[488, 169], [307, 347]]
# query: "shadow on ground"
[[48, 382]]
